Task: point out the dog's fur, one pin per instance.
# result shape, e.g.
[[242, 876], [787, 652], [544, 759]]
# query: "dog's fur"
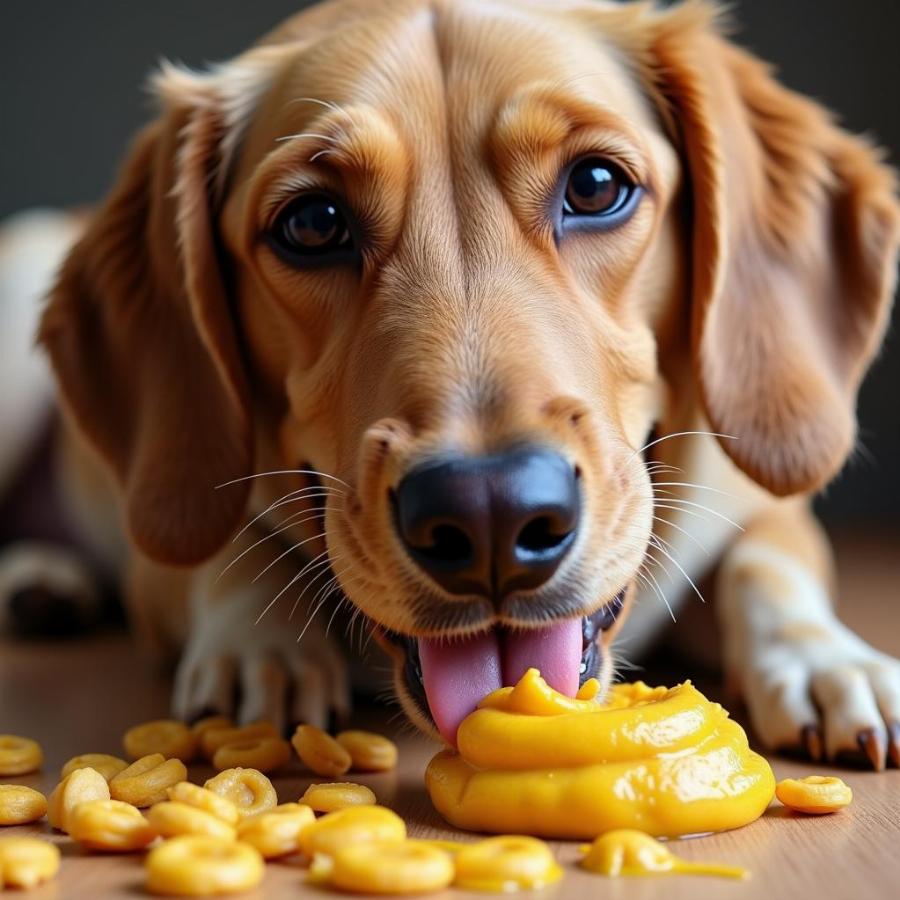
[[744, 300]]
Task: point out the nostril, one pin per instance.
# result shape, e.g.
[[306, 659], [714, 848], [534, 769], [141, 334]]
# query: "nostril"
[[449, 544], [539, 535]]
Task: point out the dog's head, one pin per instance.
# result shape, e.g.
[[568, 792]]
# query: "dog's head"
[[457, 256]]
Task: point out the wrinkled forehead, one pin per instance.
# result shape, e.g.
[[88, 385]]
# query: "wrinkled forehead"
[[443, 74]]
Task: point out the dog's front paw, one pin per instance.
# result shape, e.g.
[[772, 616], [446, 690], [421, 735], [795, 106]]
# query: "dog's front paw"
[[819, 688], [259, 671]]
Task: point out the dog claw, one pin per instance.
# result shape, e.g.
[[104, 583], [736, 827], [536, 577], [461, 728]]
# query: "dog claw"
[[872, 746], [894, 743], [811, 739]]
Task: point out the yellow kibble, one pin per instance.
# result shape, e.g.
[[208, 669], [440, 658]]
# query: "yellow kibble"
[[266, 754], [354, 825], [20, 804], [194, 795], [277, 832], [110, 825], [147, 780], [199, 866], [214, 738], [407, 867], [171, 738], [171, 818], [320, 752], [506, 863], [25, 862], [108, 766], [337, 795], [201, 726], [815, 794], [369, 752], [19, 755], [248, 789], [81, 786]]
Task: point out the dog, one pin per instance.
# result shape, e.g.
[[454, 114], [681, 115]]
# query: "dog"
[[500, 325]]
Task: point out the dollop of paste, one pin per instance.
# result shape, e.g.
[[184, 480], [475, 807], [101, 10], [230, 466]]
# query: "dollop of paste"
[[665, 761]]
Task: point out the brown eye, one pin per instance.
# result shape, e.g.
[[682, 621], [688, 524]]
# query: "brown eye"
[[596, 187], [311, 229]]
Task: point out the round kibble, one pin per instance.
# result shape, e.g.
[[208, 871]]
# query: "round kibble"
[[110, 825], [277, 832], [19, 755], [248, 789], [81, 786], [266, 754], [108, 766], [171, 818], [320, 752], [369, 752], [25, 862], [197, 866], [213, 738], [408, 867], [201, 726], [815, 794], [202, 798], [506, 863], [354, 825], [20, 805], [147, 780], [171, 738], [337, 795]]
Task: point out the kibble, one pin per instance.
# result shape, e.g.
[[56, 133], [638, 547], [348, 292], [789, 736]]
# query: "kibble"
[[369, 752], [108, 766], [81, 786], [337, 795], [26, 862], [354, 825], [815, 794], [408, 867], [147, 780], [265, 754], [110, 825], [277, 832], [506, 863], [20, 805], [172, 818], [248, 789], [214, 738], [320, 752], [202, 798], [198, 866], [19, 755], [171, 738]]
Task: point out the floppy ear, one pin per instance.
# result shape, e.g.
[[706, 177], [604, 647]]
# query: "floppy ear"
[[139, 331], [795, 234]]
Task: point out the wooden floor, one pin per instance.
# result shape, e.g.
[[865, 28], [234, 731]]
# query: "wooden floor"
[[81, 696]]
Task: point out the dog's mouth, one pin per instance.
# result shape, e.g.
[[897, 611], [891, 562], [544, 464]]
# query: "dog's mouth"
[[446, 677]]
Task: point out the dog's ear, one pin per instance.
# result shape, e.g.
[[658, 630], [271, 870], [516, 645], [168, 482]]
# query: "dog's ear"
[[795, 235], [140, 334]]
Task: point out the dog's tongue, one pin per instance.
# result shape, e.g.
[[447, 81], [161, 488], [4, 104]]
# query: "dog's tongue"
[[458, 673]]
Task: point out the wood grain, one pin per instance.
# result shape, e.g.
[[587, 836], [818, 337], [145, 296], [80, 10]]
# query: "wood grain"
[[80, 696]]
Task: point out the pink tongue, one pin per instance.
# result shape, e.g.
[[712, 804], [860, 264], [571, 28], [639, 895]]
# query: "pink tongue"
[[458, 673]]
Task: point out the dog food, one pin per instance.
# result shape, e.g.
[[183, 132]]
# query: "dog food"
[[506, 863], [369, 752], [408, 867], [533, 761], [110, 825], [108, 766], [626, 851], [815, 794], [172, 818], [19, 755], [20, 805], [264, 753], [356, 824], [248, 789], [202, 798], [201, 726], [26, 862], [200, 866], [212, 739], [337, 795], [81, 786], [277, 832], [173, 739], [147, 780], [320, 752]]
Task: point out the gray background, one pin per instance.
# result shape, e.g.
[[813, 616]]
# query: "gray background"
[[70, 97]]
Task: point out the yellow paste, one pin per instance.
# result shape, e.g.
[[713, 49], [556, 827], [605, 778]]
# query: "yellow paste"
[[665, 761]]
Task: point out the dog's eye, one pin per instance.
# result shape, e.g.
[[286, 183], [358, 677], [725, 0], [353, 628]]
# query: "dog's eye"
[[312, 229], [597, 188]]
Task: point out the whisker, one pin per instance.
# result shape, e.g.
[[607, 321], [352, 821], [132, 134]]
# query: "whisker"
[[706, 508], [324, 567], [284, 472], [284, 553], [306, 493], [690, 484], [306, 134], [686, 533], [647, 575], [669, 437], [678, 565]]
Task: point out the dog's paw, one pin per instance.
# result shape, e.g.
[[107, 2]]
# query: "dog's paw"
[[819, 688], [46, 589], [259, 671]]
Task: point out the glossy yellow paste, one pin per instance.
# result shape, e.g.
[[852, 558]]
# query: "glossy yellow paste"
[[665, 761]]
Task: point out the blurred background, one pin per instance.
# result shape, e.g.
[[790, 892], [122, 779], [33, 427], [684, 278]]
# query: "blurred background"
[[71, 97]]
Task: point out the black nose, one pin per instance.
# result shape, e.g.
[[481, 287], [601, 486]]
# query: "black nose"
[[492, 524]]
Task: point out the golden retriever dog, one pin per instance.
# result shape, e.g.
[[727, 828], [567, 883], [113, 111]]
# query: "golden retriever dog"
[[497, 323]]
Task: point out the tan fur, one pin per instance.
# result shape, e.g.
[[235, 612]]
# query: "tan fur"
[[750, 290]]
